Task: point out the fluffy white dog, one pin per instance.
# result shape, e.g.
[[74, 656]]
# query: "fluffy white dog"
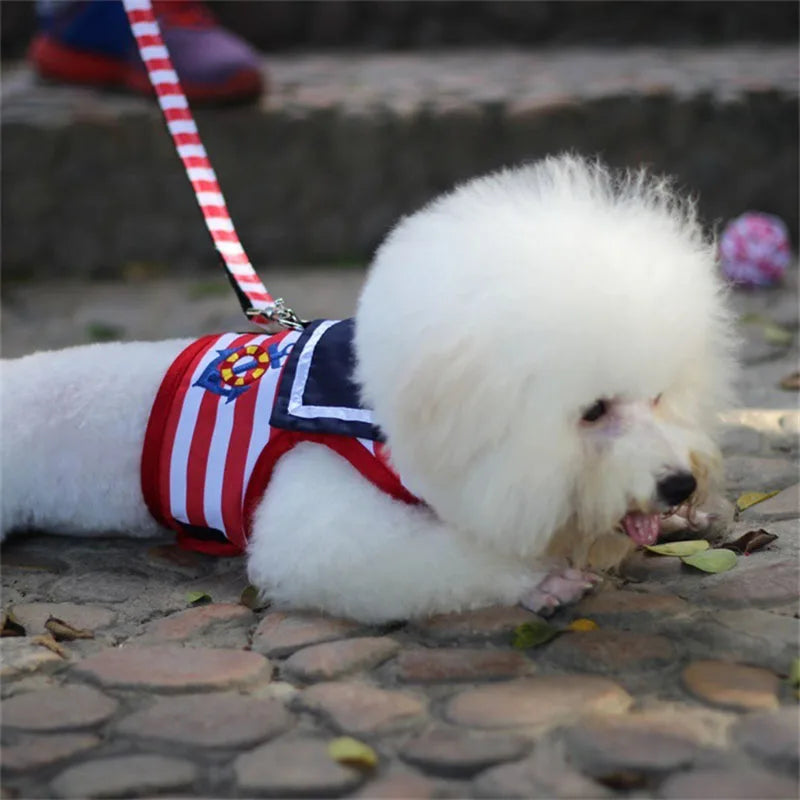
[[544, 350]]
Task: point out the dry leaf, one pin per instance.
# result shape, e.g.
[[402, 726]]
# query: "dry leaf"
[[10, 626], [250, 597], [582, 625], [533, 634], [353, 753], [687, 547], [751, 541], [719, 560], [751, 498], [198, 598], [791, 382], [46, 640], [64, 632]]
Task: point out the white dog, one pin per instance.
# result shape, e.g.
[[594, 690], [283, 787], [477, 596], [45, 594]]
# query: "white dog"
[[544, 350]]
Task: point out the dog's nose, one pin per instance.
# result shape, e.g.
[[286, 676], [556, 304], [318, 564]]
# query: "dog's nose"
[[675, 488]]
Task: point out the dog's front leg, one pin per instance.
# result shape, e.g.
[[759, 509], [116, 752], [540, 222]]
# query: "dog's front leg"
[[325, 538]]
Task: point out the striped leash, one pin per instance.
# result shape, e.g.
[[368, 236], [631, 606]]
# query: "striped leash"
[[257, 303]]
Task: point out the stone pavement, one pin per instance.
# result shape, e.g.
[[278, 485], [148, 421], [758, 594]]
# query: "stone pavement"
[[680, 691], [345, 143]]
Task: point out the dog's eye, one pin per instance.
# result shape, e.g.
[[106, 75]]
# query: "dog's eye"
[[595, 411]]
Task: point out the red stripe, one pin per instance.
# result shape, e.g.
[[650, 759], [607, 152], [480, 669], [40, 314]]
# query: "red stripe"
[[168, 88], [248, 278], [196, 161], [149, 40], [174, 114], [215, 211], [224, 236], [158, 63], [238, 260], [186, 138], [141, 15], [198, 451], [206, 186], [258, 296]]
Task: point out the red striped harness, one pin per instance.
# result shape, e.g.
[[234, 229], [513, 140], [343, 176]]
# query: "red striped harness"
[[228, 408]]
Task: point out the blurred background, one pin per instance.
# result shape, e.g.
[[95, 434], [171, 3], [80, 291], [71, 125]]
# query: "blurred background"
[[368, 110]]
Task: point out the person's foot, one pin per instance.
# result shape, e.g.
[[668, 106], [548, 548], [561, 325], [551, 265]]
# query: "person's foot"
[[90, 42]]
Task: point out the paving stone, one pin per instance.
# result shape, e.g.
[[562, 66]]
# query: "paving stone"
[[626, 744], [784, 505], [294, 767], [330, 660], [196, 621], [791, 422], [729, 685], [282, 632], [225, 719], [124, 776], [424, 665], [360, 708], [622, 604], [749, 474], [771, 584], [643, 566], [400, 786], [60, 708], [537, 703], [773, 737], [177, 559], [731, 784], [105, 587], [707, 727], [85, 617], [458, 754], [173, 668], [609, 651], [740, 440], [42, 751], [20, 657], [495, 622]]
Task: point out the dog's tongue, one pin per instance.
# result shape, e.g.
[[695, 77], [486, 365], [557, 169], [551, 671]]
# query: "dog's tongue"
[[642, 528]]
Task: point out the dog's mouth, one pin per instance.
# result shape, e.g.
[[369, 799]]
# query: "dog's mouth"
[[644, 529]]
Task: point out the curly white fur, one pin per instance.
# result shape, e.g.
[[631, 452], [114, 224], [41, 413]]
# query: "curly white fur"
[[490, 321]]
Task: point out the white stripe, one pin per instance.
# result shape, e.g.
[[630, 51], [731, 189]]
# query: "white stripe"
[[201, 174], [229, 248], [241, 269], [210, 199], [216, 223], [153, 51], [145, 29], [137, 5], [215, 467], [182, 126], [185, 432], [168, 101], [189, 150], [296, 407], [163, 76]]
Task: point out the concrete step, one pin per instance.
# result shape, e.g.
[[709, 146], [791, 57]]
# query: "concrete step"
[[344, 144]]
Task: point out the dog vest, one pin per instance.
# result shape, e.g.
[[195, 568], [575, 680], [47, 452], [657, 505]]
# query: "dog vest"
[[230, 406]]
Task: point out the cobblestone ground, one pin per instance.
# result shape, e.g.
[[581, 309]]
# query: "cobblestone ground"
[[681, 691]]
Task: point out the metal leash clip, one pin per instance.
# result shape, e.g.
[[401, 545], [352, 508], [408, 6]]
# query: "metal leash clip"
[[279, 313]]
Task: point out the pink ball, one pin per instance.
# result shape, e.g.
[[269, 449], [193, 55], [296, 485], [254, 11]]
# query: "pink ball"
[[754, 249]]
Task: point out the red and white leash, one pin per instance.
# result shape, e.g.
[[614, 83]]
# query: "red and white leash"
[[257, 303]]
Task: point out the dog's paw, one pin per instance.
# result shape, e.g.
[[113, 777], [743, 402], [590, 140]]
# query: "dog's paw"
[[558, 588]]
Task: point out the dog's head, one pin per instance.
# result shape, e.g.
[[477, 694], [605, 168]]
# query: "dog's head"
[[546, 348]]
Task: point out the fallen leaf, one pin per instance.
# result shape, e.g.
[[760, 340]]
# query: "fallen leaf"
[[751, 498], [791, 382], [684, 548], [46, 640], [9, 625], [533, 634], [347, 750], [751, 541], [719, 560], [197, 598], [64, 632], [794, 672], [582, 625], [250, 597]]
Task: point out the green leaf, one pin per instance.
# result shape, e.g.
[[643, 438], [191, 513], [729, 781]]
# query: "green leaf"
[[685, 548], [794, 672], [250, 597], [719, 560], [533, 634], [197, 598], [347, 750], [751, 498], [776, 334]]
